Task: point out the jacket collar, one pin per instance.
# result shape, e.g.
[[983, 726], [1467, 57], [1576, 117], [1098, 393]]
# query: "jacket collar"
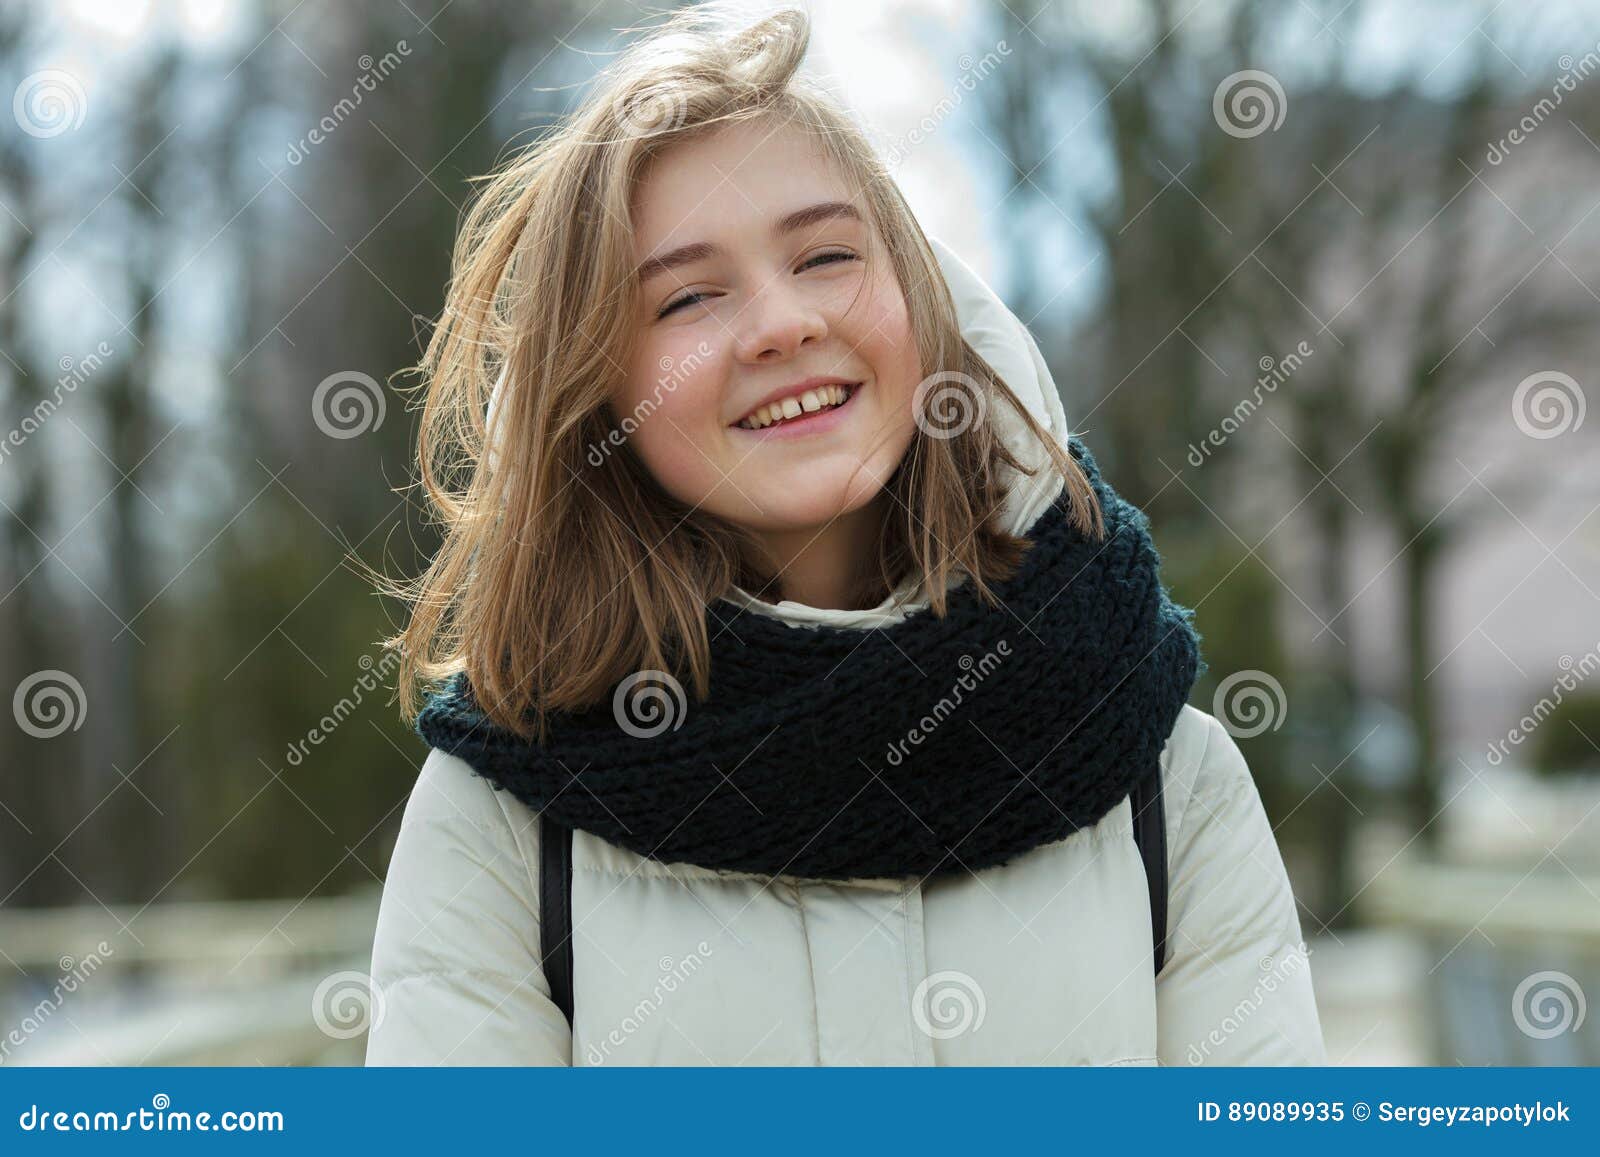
[[1005, 343]]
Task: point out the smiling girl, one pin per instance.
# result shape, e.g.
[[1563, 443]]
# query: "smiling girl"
[[797, 690]]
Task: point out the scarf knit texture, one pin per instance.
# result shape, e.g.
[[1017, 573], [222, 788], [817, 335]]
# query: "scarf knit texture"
[[928, 746]]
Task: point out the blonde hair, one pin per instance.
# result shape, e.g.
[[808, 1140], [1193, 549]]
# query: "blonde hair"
[[547, 593]]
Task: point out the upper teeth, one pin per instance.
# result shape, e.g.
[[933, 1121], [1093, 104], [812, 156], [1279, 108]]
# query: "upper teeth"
[[792, 407]]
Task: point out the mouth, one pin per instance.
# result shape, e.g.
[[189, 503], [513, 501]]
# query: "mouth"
[[805, 409]]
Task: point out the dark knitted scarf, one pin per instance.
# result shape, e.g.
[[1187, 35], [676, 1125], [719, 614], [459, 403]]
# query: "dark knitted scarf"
[[930, 745]]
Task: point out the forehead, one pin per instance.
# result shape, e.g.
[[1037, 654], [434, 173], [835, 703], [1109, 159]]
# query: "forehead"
[[733, 181]]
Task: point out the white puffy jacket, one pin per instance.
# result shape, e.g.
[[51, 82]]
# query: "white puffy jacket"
[[1042, 961]]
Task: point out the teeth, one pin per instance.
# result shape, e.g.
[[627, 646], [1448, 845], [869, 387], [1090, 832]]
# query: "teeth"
[[809, 402]]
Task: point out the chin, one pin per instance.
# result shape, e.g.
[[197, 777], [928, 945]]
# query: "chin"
[[810, 502]]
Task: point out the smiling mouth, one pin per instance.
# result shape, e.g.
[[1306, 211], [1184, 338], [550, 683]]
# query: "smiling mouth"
[[798, 407]]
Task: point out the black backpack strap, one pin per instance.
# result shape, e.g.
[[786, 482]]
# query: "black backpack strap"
[[555, 910], [1150, 833]]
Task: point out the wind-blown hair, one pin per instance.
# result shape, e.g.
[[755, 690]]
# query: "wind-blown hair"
[[558, 577]]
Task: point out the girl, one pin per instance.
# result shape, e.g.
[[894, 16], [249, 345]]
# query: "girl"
[[789, 658]]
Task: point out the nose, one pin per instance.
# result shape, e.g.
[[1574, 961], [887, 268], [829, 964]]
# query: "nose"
[[776, 323]]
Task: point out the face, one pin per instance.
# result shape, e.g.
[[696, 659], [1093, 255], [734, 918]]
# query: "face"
[[769, 287]]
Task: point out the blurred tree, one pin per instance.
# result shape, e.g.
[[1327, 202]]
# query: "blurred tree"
[[31, 617], [1362, 230], [281, 213], [122, 665], [1191, 316], [345, 257]]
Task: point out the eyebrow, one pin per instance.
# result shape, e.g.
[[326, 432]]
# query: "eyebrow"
[[700, 250]]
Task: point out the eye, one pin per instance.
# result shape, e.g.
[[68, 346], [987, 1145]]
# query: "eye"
[[671, 307], [830, 258], [819, 260]]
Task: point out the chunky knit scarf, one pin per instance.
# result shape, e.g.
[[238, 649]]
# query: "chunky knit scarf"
[[930, 745]]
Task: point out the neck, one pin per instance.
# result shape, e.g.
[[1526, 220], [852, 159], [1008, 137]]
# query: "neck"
[[825, 566]]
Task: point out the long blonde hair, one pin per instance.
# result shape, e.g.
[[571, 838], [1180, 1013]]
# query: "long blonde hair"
[[548, 593]]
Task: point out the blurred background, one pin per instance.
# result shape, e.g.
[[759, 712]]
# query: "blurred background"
[[1319, 282]]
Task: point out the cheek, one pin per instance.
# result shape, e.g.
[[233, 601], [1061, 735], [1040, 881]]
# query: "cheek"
[[668, 410], [891, 347]]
